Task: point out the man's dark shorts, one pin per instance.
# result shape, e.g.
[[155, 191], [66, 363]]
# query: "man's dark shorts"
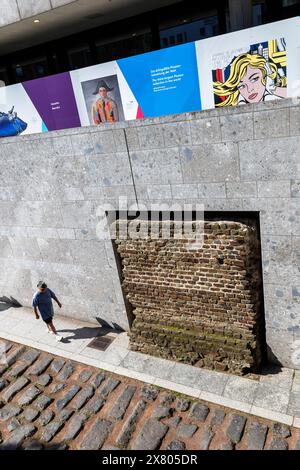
[[48, 320]]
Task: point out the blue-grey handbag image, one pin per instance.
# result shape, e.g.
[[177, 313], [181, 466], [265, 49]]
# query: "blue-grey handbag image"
[[11, 124]]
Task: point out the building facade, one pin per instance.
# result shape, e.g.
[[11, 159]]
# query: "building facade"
[[234, 160], [45, 37]]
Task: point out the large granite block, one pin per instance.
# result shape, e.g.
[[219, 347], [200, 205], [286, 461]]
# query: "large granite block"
[[151, 137], [210, 163], [270, 124], [177, 134], [205, 131], [236, 127], [270, 159], [109, 170], [156, 166]]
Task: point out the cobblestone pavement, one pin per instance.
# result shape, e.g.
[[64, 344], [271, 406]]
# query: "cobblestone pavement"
[[47, 402]]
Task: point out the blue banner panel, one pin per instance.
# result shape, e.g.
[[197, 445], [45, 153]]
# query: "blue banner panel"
[[164, 82]]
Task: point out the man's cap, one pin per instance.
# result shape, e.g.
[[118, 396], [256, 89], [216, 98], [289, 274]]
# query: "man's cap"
[[42, 285], [102, 84]]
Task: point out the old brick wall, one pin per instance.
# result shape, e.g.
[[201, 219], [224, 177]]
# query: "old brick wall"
[[197, 306]]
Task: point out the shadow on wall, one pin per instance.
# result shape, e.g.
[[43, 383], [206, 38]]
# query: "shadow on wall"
[[274, 366], [87, 332], [8, 302]]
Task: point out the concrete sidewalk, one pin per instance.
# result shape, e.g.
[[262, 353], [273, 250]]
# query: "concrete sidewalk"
[[275, 396]]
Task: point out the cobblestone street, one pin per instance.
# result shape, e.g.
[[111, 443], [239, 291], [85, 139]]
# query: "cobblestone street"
[[47, 402]]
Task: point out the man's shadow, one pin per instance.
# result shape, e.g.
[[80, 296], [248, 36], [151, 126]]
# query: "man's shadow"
[[87, 332], [8, 302]]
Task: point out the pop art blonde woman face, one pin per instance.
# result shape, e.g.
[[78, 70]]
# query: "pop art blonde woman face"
[[248, 79]]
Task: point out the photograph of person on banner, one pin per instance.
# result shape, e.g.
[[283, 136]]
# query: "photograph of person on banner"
[[252, 77], [104, 109]]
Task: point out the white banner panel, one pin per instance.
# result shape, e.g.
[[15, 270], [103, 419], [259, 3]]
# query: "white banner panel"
[[250, 66]]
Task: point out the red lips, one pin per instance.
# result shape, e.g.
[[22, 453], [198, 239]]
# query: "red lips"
[[253, 96]]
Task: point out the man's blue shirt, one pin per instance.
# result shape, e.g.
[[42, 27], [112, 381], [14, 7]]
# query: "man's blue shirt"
[[43, 301]]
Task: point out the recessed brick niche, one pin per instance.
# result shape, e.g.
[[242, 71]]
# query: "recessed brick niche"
[[201, 307]]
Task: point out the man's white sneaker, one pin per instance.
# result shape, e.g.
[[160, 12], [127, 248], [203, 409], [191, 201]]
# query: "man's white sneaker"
[[58, 338], [50, 332]]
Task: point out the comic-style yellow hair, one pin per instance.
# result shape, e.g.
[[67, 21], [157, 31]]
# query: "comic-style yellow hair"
[[237, 71]]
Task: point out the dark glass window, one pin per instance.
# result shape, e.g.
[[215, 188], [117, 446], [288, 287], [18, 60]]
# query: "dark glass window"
[[257, 14], [165, 42], [3, 76], [179, 38], [189, 31], [80, 57], [215, 29], [289, 3], [30, 69], [136, 43], [40, 70], [20, 72]]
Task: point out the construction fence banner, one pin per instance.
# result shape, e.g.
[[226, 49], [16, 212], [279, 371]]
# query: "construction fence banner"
[[249, 66]]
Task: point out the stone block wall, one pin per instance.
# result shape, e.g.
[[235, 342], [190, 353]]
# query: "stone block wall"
[[244, 158], [202, 306]]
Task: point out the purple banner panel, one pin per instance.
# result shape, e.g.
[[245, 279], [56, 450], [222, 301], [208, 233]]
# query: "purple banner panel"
[[54, 99]]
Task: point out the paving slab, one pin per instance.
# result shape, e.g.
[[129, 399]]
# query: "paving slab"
[[241, 389], [272, 397]]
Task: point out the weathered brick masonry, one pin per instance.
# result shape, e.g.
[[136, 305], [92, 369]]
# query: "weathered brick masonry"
[[197, 306]]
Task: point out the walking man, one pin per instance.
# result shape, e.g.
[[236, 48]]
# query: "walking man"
[[42, 301]]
